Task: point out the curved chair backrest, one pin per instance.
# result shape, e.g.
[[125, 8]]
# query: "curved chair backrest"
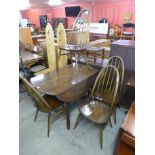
[[106, 85], [129, 25], [40, 102], [118, 62], [80, 30]]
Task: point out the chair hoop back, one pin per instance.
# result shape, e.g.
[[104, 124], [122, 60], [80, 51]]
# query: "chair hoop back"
[[106, 85], [80, 30], [118, 62], [39, 100], [128, 25]]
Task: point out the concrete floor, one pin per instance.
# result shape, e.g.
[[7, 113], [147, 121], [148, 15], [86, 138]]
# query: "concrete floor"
[[84, 140]]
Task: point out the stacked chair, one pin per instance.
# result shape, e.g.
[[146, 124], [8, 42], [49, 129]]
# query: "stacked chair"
[[78, 38]]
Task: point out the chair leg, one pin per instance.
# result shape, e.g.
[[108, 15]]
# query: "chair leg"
[[49, 121], [36, 115], [115, 115], [110, 122], [79, 118], [83, 52], [67, 115], [101, 134]]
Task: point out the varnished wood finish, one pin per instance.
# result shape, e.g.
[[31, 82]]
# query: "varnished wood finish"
[[77, 41], [117, 61], [99, 42], [68, 83], [129, 122], [128, 43], [96, 51], [44, 103], [126, 138], [98, 107], [131, 80], [29, 59]]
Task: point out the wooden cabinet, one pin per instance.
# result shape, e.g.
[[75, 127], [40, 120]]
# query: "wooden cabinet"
[[126, 139]]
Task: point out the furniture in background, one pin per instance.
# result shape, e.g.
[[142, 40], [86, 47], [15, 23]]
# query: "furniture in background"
[[68, 84], [55, 22], [117, 32], [46, 103], [61, 43], [29, 59], [50, 51], [43, 21], [99, 105], [96, 52], [99, 30], [76, 46], [126, 50], [128, 31], [26, 38], [126, 137], [104, 43], [36, 38], [117, 61]]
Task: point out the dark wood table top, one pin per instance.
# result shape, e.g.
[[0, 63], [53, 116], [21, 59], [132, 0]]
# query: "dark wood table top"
[[59, 81], [129, 123], [129, 43]]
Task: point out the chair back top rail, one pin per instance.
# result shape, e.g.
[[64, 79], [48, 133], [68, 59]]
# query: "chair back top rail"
[[117, 61]]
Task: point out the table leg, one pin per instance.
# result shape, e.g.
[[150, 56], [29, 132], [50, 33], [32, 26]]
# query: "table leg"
[[83, 52], [94, 57], [67, 115]]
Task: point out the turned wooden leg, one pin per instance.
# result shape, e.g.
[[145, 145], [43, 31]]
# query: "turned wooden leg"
[[36, 115], [59, 55], [101, 135], [79, 118], [49, 121], [94, 57], [110, 122], [115, 115], [85, 59], [67, 115]]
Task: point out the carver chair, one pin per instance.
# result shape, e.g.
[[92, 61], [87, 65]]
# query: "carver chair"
[[99, 106], [46, 103], [118, 62]]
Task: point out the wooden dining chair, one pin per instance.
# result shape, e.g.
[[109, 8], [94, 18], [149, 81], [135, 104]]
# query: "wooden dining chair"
[[77, 38], [128, 31], [118, 62], [99, 106], [46, 103]]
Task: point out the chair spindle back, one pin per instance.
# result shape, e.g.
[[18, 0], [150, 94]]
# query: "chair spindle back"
[[106, 85]]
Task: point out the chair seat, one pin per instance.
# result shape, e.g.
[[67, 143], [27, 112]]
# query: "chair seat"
[[37, 68], [95, 49], [73, 48], [52, 101], [95, 111], [128, 33]]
